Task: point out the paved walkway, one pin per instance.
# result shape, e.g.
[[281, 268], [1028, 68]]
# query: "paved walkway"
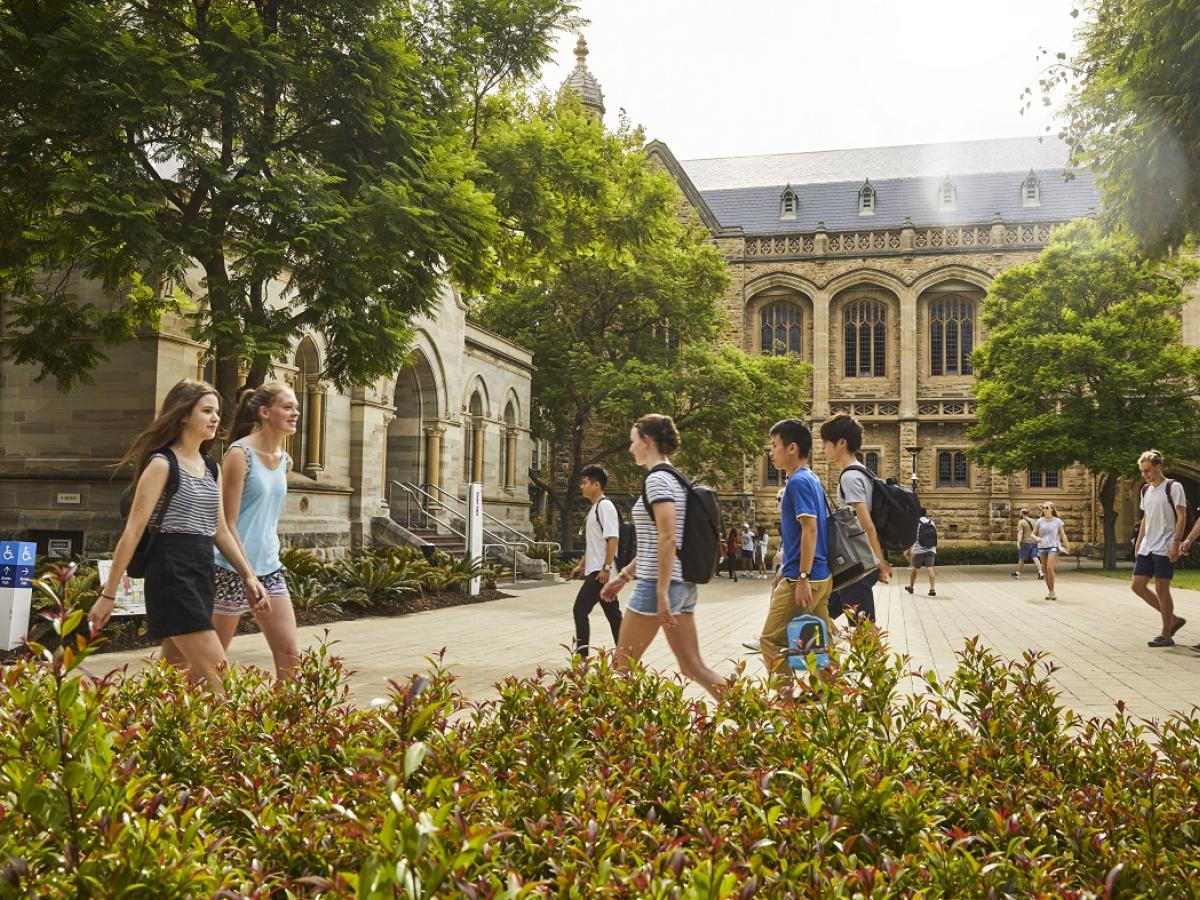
[[1097, 632]]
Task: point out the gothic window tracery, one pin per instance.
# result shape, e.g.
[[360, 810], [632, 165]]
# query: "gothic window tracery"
[[781, 327], [865, 339], [951, 335]]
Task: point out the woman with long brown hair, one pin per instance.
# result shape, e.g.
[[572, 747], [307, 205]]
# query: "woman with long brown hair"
[[253, 491], [188, 521]]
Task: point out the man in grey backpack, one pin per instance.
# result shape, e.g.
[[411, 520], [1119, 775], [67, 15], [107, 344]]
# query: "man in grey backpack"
[[841, 438], [923, 554]]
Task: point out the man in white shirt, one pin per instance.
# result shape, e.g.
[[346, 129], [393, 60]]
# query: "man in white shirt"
[[1164, 520], [748, 544], [602, 530]]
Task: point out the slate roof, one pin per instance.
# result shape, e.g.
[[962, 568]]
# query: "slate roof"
[[745, 191]]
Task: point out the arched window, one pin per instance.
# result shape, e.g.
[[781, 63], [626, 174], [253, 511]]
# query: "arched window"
[[948, 194], [952, 469], [782, 329], [308, 444], [866, 199], [865, 333], [1031, 190], [788, 203], [508, 448], [951, 335], [473, 440]]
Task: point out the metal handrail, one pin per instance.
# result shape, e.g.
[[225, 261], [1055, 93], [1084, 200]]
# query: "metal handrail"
[[486, 516], [408, 520], [411, 492]]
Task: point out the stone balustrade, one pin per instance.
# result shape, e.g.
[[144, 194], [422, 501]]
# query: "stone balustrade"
[[997, 235]]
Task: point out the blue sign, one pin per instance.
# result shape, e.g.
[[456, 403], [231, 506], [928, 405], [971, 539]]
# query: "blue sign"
[[16, 563]]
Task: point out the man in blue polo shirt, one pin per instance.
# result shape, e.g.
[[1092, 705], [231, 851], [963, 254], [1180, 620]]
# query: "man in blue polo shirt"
[[803, 582]]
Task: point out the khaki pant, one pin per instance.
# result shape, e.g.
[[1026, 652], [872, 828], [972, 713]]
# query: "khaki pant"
[[784, 608]]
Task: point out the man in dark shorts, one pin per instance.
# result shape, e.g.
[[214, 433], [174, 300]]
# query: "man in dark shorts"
[[923, 554]]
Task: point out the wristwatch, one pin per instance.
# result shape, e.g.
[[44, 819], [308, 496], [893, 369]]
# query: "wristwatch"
[[803, 576]]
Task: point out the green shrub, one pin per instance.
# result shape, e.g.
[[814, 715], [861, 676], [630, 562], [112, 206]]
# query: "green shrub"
[[369, 579], [974, 554], [584, 783]]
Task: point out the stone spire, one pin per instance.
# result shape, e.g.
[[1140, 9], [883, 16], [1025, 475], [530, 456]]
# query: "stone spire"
[[584, 83]]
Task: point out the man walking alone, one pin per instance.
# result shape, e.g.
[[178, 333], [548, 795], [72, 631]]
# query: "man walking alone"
[[602, 530], [1164, 519]]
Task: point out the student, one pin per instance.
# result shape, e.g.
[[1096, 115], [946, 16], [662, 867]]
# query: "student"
[[923, 554], [253, 491], [179, 571], [760, 552], [1052, 541], [1026, 545], [803, 584], [602, 531], [841, 438], [661, 597], [1164, 520], [731, 553], [748, 544]]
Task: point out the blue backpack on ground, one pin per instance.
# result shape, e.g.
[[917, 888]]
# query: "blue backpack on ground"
[[806, 634]]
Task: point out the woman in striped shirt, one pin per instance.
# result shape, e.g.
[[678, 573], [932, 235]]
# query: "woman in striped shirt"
[[179, 570]]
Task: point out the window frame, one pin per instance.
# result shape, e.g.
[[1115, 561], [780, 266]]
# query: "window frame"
[[866, 199], [789, 203], [965, 321], [864, 455], [873, 322], [1031, 181], [948, 195], [955, 457], [775, 304], [1043, 479]]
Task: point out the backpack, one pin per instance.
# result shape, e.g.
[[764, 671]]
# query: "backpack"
[[1189, 519], [927, 535], [700, 551], [141, 554], [626, 537], [895, 510], [806, 634]]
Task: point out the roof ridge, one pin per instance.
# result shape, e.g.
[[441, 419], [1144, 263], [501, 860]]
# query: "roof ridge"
[[1033, 137]]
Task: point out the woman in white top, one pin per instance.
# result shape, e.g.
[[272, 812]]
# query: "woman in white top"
[[760, 554], [1052, 540], [661, 598]]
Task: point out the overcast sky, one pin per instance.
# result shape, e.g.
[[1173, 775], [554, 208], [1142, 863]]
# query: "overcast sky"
[[745, 77]]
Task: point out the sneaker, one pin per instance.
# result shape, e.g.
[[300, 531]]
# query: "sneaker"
[[932, 593], [1041, 576], [1052, 596], [1179, 624], [1161, 640], [908, 588], [1016, 574]]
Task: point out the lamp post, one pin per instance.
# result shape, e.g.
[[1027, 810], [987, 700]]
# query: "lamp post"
[[913, 452]]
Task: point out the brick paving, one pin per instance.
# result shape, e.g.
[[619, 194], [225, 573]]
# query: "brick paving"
[[1097, 631]]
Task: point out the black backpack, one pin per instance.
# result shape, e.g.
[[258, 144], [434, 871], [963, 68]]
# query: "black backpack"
[[895, 510], [701, 549], [626, 537], [1189, 519], [927, 535], [141, 554]]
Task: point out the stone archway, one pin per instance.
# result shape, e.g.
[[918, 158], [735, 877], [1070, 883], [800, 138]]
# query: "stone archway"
[[414, 435], [1188, 475]]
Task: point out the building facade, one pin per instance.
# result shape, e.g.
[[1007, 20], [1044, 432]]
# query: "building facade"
[[457, 412]]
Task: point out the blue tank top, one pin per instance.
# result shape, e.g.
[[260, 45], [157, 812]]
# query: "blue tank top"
[[263, 496]]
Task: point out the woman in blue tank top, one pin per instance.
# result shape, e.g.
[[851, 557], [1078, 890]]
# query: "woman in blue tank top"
[[254, 490]]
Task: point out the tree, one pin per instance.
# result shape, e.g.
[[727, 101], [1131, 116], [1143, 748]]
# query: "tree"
[[323, 146], [1083, 362], [618, 300], [1132, 115]]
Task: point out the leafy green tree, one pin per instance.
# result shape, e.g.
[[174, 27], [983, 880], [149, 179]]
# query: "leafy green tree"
[[1083, 362], [618, 299], [1133, 115], [323, 146]]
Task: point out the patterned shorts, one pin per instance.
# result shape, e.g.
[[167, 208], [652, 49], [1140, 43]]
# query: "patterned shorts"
[[230, 598]]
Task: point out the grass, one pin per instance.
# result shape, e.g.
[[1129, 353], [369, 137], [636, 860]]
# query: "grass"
[[1184, 578]]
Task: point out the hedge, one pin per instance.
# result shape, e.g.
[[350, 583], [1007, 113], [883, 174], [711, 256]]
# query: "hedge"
[[584, 783]]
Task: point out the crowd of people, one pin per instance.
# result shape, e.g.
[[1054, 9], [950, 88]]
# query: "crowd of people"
[[207, 539]]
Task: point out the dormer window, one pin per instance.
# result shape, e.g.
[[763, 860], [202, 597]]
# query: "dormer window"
[[866, 199], [1031, 190], [948, 195], [788, 203]]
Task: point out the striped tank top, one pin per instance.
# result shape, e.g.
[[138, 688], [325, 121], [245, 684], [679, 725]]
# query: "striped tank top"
[[194, 508]]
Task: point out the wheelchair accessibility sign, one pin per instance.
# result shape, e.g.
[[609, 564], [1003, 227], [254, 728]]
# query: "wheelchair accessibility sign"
[[17, 559]]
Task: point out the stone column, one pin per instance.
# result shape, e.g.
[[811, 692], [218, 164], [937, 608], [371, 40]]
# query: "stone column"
[[821, 338], [433, 457], [908, 235], [385, 494], [477, 451], [314, 451], [908, 353], [908, 438], [510, 458]]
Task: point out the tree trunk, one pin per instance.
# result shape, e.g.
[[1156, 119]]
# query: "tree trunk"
[[1108, 502], [566, 531], [225, 366]]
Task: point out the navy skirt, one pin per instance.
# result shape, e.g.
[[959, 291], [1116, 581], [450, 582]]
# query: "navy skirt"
[[180, 585]]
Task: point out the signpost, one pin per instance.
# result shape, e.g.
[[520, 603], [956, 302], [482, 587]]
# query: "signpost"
[[16, 591], [475, 531]]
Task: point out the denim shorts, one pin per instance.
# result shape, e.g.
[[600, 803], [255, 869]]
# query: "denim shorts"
[[1027, 551], [1043, 552], [644, 600]]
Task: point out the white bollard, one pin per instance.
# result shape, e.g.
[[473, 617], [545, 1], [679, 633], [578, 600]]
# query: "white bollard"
[[16, 593], [475, 531]]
